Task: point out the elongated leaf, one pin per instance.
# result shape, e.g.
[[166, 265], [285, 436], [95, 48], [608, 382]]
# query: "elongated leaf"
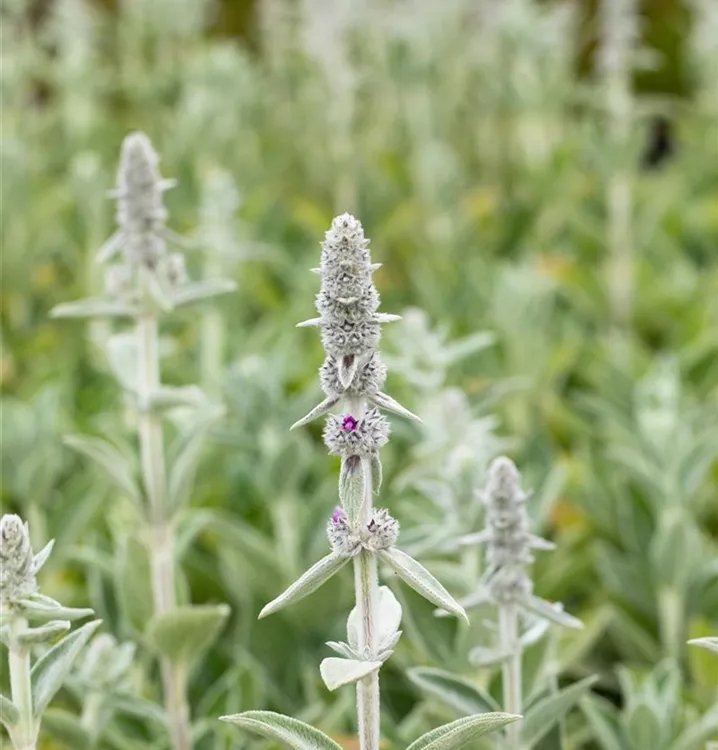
[[93, 308], [189, 395], [202, 290], [709, 643], [184, 632], [50, 670], [343, 649], [9, 714], [460, 733], [486, 657], [543, 714], [386, 402], [292, 732], [40, 608], [700, 731], [337, 672], [351, 487], [460, 694], [110, 459], [317, 575], [604, 720], [41, 557], [388, 619], [43, 634], [316, 412], [419, 578], [552, 612], [643, 726]]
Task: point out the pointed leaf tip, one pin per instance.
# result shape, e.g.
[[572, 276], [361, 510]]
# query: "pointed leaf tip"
[[292, 732], [337, 672], [458, 734]]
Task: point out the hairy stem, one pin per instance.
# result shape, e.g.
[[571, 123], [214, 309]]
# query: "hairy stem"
[[367, 586], [161, 532], [511, 670], [24, 733]]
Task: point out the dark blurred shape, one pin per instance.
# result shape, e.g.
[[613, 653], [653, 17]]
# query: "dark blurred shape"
[[661, 143]]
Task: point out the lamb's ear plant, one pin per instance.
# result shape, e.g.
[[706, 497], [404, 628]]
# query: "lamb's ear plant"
[[506, 585], [143, 282], [29, 619], [352, 378]]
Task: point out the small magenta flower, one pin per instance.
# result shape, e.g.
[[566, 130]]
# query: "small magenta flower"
[[349, 424], [343, 539], [338, 515]]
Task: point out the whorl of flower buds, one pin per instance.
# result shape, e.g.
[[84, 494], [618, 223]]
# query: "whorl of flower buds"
[[508, 540], [17, 567], [381, 532], [350, 327], [343, 539], [346, 436]]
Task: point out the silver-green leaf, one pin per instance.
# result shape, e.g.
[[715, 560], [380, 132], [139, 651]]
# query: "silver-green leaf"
[[50, 670], [9, 715], [458, 693], [43, 634], [709, 643], [202, 290], [184, 632], [337, 672], [93, 308], [419, 578], [460, 733], [292, 732], [552, 612], [542, 715], [40, 608], [317, 575]]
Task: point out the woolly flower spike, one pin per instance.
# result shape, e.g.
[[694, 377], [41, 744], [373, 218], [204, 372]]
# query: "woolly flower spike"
[[141, 213], [508, 540], [17, 566], [349, 322], [381, 532], [341, 537], [346, 437]]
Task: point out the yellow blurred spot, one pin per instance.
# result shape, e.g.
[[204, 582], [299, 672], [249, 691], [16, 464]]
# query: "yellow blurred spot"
[[566, 516], [44, 276], [554, 266], [480, 203], [7, 370]]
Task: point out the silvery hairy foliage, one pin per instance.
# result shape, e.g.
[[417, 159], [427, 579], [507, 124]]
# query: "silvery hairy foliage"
[[352, 378], [37, 633], [523, 618], [143, 281], [652, 713]]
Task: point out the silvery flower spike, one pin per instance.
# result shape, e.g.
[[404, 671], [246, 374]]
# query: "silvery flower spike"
[[144, 280], [29, 619], [352, 378]]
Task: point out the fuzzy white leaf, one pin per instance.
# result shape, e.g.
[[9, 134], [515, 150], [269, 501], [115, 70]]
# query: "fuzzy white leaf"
[[351, 487], [419, 578], [543, 714], [41, 557], [317, 575], [93, 308], [552, 612], [388, 617], [110, 459], [384, 401], [317, 411], [292, 732], [337, 672], [189, 395], [110, 248], [39, 608], [310, 323], [709, 643], [478, 538], [485, 657], [460, 733], [49, 672], [347, 370], [44, 633], [343, 649], [123, 354]]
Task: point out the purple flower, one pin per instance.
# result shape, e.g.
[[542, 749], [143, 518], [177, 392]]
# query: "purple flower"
[[349, 424], [338, 516]]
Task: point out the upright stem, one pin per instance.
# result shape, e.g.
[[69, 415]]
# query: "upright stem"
[[161, 532], [511, 670], [24, 734], [367, 588]]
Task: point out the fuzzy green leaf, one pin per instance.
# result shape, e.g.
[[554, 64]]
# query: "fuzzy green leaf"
[[43, 634], [709, 643], [292, 732], [543, 714], [317, 575], [50, 670], [337, 672], [643, 726], [93, 308], [460, 733], [351, 487], [40, 608], [552, 612], [9, 714], [202, 290], [182, 633], [110, 459], [419, 578], [458, 693]]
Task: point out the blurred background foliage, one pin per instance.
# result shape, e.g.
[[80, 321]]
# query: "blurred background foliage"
[[475, 142]]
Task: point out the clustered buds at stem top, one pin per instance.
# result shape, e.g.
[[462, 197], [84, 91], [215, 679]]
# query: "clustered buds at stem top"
[[381, 533], [17, 563]]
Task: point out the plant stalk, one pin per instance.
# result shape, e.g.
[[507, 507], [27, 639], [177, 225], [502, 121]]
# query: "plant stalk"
[[511, 670], [24, 734], [367, 588], [161, 533]]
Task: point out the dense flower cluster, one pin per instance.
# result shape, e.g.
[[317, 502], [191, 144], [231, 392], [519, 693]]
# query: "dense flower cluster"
[[17, 566], [380, 533], [346, 436]]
